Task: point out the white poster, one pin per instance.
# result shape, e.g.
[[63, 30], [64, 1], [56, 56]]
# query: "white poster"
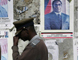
[[53, 51], [60, 46], [6, 13], [4, 45]]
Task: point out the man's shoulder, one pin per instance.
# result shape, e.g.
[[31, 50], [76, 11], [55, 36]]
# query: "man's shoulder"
[[65, 14], [41, 43], [36, 40], [49, 15], [41, 40]]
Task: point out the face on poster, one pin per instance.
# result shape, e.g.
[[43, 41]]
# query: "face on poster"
[[6, 13], [57, 16]]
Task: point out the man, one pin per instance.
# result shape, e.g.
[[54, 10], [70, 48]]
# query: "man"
[[56, 20], [3, 12], [36, 49]]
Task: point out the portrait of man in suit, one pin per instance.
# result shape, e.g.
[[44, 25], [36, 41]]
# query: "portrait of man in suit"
[[56, 20]]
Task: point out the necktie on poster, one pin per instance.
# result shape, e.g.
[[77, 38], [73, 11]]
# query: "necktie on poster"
[[60, 20]]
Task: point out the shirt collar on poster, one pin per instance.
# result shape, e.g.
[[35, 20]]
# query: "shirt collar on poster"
[[57, 13]]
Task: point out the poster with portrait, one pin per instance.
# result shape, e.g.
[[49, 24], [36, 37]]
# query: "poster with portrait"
[[6, 13], [57, 16], [4, 44]]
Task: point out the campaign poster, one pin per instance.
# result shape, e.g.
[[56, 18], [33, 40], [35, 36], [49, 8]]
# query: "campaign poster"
[[6, 13], [4, 44], [56, 16], [53, 50], [60, 46]]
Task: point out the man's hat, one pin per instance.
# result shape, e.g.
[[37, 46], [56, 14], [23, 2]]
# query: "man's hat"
[[22, 24]]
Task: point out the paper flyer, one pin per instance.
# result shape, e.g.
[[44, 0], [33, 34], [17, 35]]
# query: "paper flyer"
[[6, 13], [63, 42], [4, 45], [53, 50]]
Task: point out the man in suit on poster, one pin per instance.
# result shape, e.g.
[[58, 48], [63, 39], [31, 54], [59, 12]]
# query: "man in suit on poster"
[[56, 20]]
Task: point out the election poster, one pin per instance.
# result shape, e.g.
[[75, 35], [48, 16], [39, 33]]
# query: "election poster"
[[4, 44], [57, 16], [53, 49], [60, 46], [6, 13]]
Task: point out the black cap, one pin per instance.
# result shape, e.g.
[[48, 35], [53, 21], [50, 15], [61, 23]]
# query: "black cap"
[[23, 24]]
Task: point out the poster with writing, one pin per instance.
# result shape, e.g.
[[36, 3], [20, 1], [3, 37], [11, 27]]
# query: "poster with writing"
[[53, 50], [6, 13], [4, 45], [60, 46]]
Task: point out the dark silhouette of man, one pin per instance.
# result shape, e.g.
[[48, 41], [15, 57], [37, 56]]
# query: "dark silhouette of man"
[[36, 49]]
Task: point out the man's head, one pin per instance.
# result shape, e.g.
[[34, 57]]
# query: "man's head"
[[57, 4], [25, 29]]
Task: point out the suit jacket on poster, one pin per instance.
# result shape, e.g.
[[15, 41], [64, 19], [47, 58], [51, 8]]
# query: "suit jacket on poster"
[[52, 22], [3, 12], [36, 50]]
